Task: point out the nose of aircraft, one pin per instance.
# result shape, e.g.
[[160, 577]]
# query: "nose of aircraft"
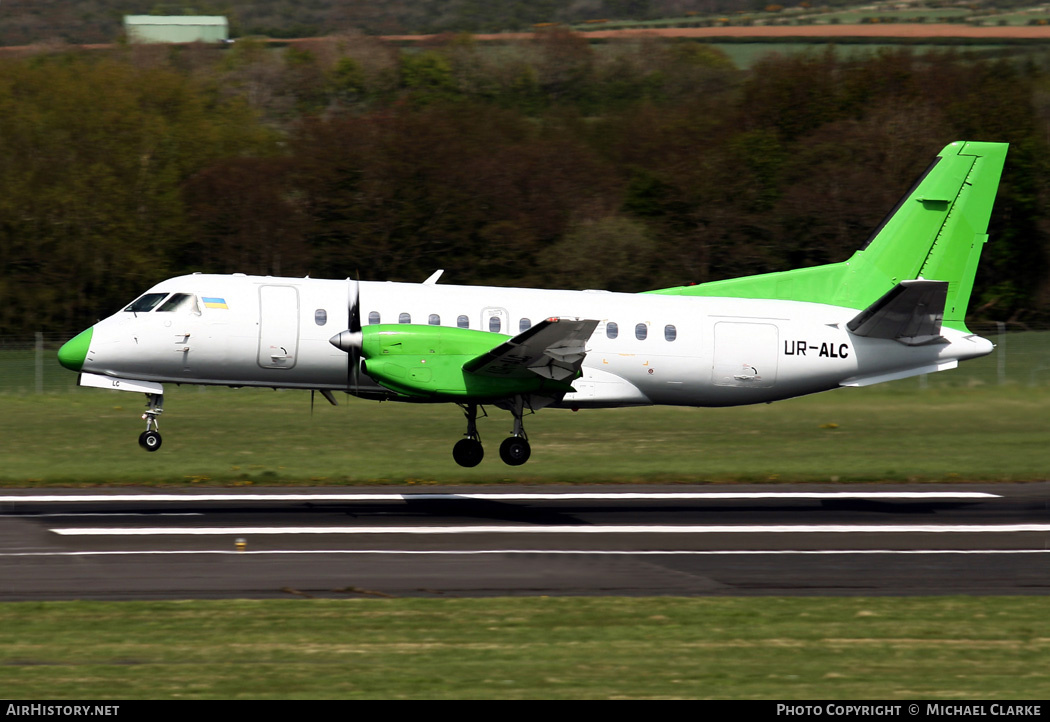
[[74, 351]]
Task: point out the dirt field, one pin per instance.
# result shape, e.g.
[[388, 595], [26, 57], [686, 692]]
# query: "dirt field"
[[900, 30]]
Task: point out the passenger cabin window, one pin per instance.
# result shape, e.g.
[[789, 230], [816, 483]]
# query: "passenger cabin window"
[[463, 322], [179, 302], [524, 325], [405, 318], [670, 333], [612, 330], [146, 303], [434, 320], [320, 317], [494, 324], [641, 331], [373, 318]]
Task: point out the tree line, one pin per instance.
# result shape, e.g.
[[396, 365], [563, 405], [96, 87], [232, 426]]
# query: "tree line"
[[552, 163]]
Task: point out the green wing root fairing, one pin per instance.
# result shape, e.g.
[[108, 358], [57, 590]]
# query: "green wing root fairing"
[[427, 362]]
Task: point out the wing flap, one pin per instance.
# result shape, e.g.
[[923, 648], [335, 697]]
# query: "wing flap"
[[553, 349]]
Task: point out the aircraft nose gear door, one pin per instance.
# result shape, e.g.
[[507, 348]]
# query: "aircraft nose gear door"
[[278, 326]]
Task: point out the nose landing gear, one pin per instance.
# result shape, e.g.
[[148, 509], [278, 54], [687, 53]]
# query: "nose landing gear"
[[150, 438]]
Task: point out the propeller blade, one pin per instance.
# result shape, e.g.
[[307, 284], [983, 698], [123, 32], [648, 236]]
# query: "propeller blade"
[[350, 340], [353, 354]]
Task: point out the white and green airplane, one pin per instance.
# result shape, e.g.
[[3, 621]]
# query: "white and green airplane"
[[895, 309]]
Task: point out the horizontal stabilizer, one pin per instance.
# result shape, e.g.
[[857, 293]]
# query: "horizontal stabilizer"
[[553, 349], [911, 313]]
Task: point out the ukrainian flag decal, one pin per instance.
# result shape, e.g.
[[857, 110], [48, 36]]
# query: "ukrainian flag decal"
[[214, 302]]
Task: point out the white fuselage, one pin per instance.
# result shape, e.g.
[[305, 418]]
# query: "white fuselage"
[[647, 348]]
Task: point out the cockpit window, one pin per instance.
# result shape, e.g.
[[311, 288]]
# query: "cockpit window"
[[179, 302], [146, 303]]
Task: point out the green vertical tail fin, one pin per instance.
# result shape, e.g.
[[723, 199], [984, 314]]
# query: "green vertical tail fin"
[[936, 232]]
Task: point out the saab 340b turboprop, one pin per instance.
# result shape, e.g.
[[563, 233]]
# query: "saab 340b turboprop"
[[895, 309]]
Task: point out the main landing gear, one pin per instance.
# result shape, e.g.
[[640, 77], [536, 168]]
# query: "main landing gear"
[[150, 438], [514, 450], [468, 451]]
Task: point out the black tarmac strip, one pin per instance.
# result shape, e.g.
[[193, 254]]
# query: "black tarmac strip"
[[709, 540]]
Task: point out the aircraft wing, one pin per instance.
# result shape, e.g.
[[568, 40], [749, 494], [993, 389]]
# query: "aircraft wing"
[[553, 348], [911, 313]]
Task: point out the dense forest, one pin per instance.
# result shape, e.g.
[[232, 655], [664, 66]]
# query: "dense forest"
[[551, 163]]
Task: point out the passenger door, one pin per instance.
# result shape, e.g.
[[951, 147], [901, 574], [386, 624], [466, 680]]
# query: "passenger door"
[[278, 326]]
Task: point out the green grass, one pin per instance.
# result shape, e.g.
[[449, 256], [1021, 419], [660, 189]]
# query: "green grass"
[[231, 437], [551, 648], [856, 15]]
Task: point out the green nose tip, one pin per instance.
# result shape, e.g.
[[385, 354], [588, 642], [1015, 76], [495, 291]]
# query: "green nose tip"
[[74, 351]]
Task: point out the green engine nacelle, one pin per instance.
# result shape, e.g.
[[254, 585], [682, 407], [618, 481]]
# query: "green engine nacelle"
[[427, 362]]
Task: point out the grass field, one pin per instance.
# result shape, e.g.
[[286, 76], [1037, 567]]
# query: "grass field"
[[246, 436], [945, 648]]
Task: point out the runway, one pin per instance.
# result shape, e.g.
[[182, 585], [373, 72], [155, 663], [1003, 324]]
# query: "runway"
[[486, 541]]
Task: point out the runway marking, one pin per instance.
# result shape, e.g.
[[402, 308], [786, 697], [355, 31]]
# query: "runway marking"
[[60, 498], [100, 513], [476, 552], [536, 529]]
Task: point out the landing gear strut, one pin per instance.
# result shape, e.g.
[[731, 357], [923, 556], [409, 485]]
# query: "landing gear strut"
[[150, 438], [468, 451]]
